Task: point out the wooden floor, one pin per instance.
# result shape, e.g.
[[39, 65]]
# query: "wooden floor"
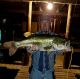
[[60, 72]]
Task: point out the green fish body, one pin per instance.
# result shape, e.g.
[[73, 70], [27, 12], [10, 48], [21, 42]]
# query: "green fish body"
[[43, 42]]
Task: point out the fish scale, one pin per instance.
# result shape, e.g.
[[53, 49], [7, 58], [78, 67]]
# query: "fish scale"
[[44, 42]]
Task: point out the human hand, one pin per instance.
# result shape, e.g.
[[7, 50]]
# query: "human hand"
[[32, 48]]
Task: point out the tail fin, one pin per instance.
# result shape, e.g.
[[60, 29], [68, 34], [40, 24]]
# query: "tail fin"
[[12, 51], [11, 46]]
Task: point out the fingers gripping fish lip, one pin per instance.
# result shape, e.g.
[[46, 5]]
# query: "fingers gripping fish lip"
[[67, 45]]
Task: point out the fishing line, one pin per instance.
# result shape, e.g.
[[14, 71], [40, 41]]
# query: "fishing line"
[[72, 51]]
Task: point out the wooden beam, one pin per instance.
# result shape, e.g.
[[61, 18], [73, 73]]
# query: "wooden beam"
[[54, 1], [30, 16], [48, 13], [68, 20]]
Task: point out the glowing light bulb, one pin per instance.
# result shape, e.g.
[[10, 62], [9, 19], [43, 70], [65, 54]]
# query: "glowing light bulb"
[[49, 6]]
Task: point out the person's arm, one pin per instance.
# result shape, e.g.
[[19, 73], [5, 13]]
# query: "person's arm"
[[63, 51], [60, 51]]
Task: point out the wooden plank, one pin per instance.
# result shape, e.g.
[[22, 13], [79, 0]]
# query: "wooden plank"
[[46, 13]]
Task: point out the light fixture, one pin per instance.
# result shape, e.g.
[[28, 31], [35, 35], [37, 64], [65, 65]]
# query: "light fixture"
[[49, 6], [4, 20]]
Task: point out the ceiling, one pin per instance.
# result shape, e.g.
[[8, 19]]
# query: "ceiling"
[[39, 8], [63, 1]]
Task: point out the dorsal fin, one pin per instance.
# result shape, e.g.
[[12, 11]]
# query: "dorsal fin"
[[27, 34]]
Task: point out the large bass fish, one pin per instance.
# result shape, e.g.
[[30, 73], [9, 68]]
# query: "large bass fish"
[[42, 41]]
